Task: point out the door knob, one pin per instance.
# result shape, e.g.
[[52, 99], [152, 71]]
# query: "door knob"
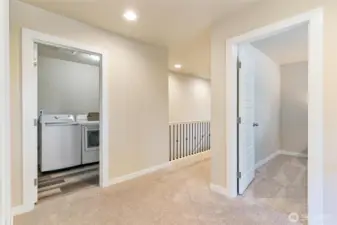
[[255, 124]]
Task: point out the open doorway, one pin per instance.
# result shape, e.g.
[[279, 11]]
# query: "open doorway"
[[273, 125], [68, 120], [65, 117], [314, 104]]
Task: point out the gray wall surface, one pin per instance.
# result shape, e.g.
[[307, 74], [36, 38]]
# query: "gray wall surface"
[[67, 87], [294, 107]]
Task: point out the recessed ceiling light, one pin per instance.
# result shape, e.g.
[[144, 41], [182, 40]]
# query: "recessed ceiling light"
[[130, 15], [178, 66]]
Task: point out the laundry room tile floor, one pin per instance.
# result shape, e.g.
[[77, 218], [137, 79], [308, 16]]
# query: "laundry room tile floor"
[[63, 182]]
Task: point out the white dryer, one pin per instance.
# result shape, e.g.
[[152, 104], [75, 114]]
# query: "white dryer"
[[90, 139]]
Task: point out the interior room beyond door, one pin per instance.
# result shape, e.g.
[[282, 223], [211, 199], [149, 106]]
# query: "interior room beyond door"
[[68, 120]]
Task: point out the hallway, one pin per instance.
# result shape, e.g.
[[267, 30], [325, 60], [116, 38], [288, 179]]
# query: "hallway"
[[179, 195]]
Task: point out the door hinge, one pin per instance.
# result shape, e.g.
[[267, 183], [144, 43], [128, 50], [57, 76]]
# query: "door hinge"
[[239, 120], [35, 182], [238, 175], [35, 122], [35, 56], [238, 64]]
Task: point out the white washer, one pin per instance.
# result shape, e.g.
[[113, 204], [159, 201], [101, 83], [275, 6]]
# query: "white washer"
[[60, 140]]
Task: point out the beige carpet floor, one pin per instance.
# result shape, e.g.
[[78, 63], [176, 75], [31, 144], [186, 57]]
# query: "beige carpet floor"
[[282, 184], [176, 196]]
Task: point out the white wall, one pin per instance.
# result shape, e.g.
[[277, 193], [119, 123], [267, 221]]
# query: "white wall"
[[294, 107], [137, 91], [267, 105], [189, 98], [260, 14], [287, 47], [66, 87]]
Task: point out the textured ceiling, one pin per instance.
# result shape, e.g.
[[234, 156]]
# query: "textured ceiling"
[[181, 25], [287, 47], [194, 55], [160, 21]]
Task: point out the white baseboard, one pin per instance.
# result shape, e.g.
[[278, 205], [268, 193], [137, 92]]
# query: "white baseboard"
[[184, 161], [275, 154], [17, 210], [219, 190], [21, 209], [296, 154], [266, 160], [193, 158], [139, 173]]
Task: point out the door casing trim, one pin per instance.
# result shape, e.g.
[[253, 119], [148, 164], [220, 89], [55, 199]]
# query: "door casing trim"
[[5, 124], [29, 37], [314, 19]]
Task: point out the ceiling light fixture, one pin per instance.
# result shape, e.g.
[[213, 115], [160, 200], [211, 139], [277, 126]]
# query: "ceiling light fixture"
[[95, 57], [130, 15], [178, 66]]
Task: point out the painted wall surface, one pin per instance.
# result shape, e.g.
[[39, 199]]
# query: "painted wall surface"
[[267, 104], [193, 54], [287, 47], [66, 87], [138, 92], [258, 15], [294, 110], [189, 98]]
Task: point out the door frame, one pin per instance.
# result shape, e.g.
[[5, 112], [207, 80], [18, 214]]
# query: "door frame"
[[315, 105], [5, 124], [29, 113]]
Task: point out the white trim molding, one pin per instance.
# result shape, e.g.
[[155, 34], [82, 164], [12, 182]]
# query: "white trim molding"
[[21, 209], [29, 101], [219, 190], [139, 173], [314, 19], [193, 158], [5, 131], [295, 154], [179, 162], [278, 153], [266, 160]]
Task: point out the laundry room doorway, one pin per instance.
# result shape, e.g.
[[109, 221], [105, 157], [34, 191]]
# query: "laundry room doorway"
[[65, 122]]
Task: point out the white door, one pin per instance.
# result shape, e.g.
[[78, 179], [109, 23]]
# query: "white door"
[[246, 151], [35, 114], [30, 120]]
